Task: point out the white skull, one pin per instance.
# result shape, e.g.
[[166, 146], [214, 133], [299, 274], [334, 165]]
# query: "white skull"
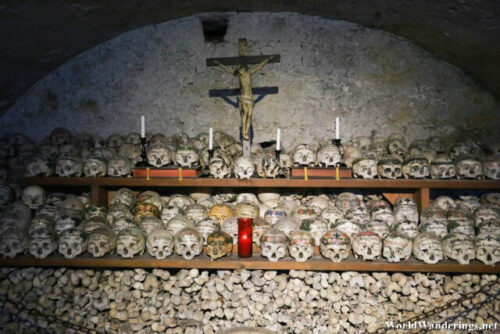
[[273, 245], [132, 138], [330, 215], [318, 203], [101, 241], [397, 247], [247, 210], [359, 214], [335, 245], [464, 226], [349, 227], [485, 213], [180, 201], [468, 168], [119, 166], [95, 167], [367, 245], [72, 243], [60, 136], [488, 248], [178, 223], [93, 223], [244, 168], [459, 247], [150, 223], [442, 167], [38, 166], [406, 209], [491, 168], [396, 145], [287, 226], [438, 227], [123, 223], [114, 141], [12, 243], [427, 248], [34, 197], [170, 211], [230, 226], [42, 244], [130, 242], [160, 243], [69, 167], [186, 156], [66, 222], [118, 211], [247, 197], [301, 245], [206, 226], [304, 155], [489, 226], [94, 211], [416, 167], [406, 227], [443, 203], [73, 207], [328, 156], [272, 216], [385, 215], [159, 155], [196, 212], [389, 168], [188, 243], [378, 226], [220, 167], [124, 196], [258, 229], [365, 168]]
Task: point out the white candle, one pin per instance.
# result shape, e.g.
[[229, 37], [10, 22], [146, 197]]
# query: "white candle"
[[210, 139], [337, 128], [143, 126], [278, 137]]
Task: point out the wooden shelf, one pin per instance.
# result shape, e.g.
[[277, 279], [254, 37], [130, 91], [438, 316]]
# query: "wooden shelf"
[[256, 262], [263, 183]]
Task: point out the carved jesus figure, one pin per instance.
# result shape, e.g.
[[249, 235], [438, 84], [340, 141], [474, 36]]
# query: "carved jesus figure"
[[244, 74]]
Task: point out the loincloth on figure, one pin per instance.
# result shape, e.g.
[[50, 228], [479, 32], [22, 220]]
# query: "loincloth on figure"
[[246, 101]]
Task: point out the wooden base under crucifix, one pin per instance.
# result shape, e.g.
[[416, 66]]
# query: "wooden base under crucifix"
[[244, 73]]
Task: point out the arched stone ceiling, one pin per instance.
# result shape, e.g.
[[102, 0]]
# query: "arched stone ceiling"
[[37, 36]]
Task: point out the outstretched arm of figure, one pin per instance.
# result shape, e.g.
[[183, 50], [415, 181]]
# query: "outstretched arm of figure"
[[224, 67], [261, 65]]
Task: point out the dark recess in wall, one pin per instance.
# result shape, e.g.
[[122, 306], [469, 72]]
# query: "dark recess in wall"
[[214, 29]]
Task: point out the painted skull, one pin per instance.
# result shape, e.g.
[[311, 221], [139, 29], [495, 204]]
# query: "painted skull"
[[468, 168], [143, 209], [268, 166], [328, 156], [170, 211], [38, 166], [438, 227], [464, 226], [186, 156], [94, 211], [301, 245], [40, 224], [364, 168], [69, 167], [406, 209], [160, 243], [150, 197], [95, 167], [72, 243], [247, 210], [485, 213], [488, 248], [406, 227], [188, 243], [304, 155], [385, 215], [244, 168], [258, 229], [124, 196], [442, 167], [317, 228], [119, 166], [359, 214], [206, 227], [389, 168], [397, 247], [42, 244], [123, 223], [93, 223], [159, 155], [349, 227], [459, 247], [117, 211], [416, 167], [247, 197], [220, 167], [34, 197], [302, 213], [378, 226], [150, 223], [220, 213], [230, 226], [330, 215], [272, 216], [489, 226], [66, 222], [367, 245], [181, 201], [345, 201], [427, 248], [196, 212], [178, 223], [287, 226], [491, 167], [273, 245], [101, 241], [219, 244], [130, 242], [12, 243], [335, 245]]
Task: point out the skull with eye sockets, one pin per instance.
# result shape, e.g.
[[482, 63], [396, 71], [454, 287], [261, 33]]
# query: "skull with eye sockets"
[[301, 245], [95, 167], [130, 242], [72, 243], [442, 167], [485, 213], [42, 243], [219, 244], [416, 167], [244, 168], [38, 166], [335, 245], [188, 243], [119, 167], [468, 168], [220, 166], [159, 155], [367, 245], [330, 215], [220, 213], [273, 244], [397, 247], [488, 248], [427, 248], [406, 227], [160, 243], [13, 242], [69, 167], [491, 167], [101, 241], [328, 156], [396, 145], [364, 168], [459, 247], [304, 156], [378, 226], [34, 197], [389, 168], [186, 156]]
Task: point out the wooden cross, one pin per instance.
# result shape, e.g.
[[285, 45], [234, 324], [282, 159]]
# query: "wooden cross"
[[246, 91]]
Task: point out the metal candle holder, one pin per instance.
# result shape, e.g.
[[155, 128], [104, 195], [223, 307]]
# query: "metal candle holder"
[[210, 154], [278, 153], [338, 143], [144, 154]]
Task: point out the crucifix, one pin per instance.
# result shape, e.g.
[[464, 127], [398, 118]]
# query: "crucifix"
[[244, 72]]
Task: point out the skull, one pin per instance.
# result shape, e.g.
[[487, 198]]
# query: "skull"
[[72, 243], [66, 222], [94, 211], [427, 248], [459, 213], [48, 151], [38, 166], [40, 224], [12, 243], [442, 167], [373, 202], [365, 168], [318, 203], [491, 198], [180, 201], [406, 209], [416, 167], [206, 227], [42, 244], [444, 203], [69, 150], [114, 141], [101, 241], [378, 226], [34, 197], [328, 156], [131, 152], [196, 212], [359, 214], [123, 223], [151, 197], [304, 155], [489, 226], [60, 136], [330, 215], [468, 168], [367, 245], [417, 147], [94, 167], [397, 247], [160, 243], [118, 211], [272, 216], [468, 203], [158, 139], [316, 227], [247, 210], [159, 155], [188, 243], [219, 244], [302, 213], [287, 226], [335, 245], [170, 211], [130, 242], [378, 146], [301, 245], [270, 166], [243, 168], [347, 200], [270, 198], [396, 145], [133, 138], [389, 168], [273, 245], [178, 223], [258, 229], [286, 165], [247, 197], [104, 153], [464, 226], [406, 227], [230, 226], [93, 223], [119, 166], [69, 167], [220, 213], [436, 144], [438, 227], [491, 168], [488, 248], [459, 247], [186, 156], [361, 142], [485, 213], [385, 215], [124, 196], [220, 167], [349, 227]]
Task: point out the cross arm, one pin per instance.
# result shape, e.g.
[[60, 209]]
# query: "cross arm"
[[242, 60]]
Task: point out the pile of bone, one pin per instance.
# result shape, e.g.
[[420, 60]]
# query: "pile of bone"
[[340, 225], [194, 302]]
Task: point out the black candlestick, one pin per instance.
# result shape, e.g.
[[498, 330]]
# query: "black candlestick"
[[210, 154], [144, 154], [338, 143], [278, 153]]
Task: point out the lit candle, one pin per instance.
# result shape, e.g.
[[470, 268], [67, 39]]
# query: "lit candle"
[[337, 128], [245, 237], [143, 126], [211, 139], [278, 137]]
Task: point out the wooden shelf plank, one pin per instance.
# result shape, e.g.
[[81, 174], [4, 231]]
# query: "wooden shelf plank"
[[264, 183], [256, 262]]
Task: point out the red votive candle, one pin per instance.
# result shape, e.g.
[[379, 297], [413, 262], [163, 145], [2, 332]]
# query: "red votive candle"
[[245, 237]]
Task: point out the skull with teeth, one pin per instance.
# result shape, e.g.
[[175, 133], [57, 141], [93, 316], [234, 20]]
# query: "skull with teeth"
[[491, 167], [34, 197], [468, 168], [304, 156], [124, 196], [220, 166], [119, 166], [160, 243], [389, 168], [95, 167], [258, 229], [488, 248], [244, 168], [188, 243], [416, 167], [186, 156], [438, 227], [364, 168], [367, 245], [42, 243], [396, 145], [101, 241], [397, 247], [72, 243], [12, 243], [459, 247], [69, 167], [219, 244], [328, 156], [273, 245], [335, 245], [442, 167], [427, 248], [130, 242], [206, 227], [38, 166], [301, 245]]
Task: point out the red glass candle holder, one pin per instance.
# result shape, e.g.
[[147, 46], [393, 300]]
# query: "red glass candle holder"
[[245, 237]]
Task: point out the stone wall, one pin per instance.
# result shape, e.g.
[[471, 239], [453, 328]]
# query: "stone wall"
[[372, 80]]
